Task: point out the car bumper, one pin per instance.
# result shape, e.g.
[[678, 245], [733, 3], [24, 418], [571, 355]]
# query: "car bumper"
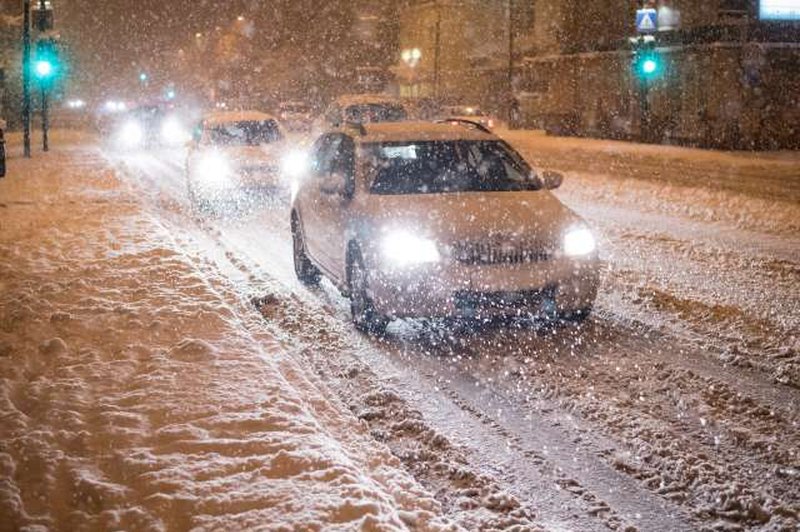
[[254, 181], [560, 286]]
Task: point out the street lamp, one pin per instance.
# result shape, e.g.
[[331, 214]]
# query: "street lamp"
[[411, 57]]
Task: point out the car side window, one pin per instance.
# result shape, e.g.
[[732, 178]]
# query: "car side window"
[[343, 162], [326, 163], [334, 114], [324, 150]]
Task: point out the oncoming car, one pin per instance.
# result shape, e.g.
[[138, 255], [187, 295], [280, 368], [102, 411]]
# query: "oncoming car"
[[439, 220], [147, 127], [470, 112], [234, 152]]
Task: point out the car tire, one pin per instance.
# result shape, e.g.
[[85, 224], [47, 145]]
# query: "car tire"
[[199, 203], [576, 316], [362, 311], [304, 269]]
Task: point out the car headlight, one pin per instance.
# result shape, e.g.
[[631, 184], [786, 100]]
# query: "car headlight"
[[172, 132], [131, 134], [402, 248], [294, 163], [579, 242], [214, 169]]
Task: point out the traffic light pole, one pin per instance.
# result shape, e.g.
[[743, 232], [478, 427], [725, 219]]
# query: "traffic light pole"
[[45, 120], [26, 78], [644, 110]]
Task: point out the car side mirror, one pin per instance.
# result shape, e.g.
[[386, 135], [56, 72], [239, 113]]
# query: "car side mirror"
[[334, 184], [552, 179]]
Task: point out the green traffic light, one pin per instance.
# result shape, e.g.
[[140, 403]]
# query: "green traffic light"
[[44, 69], [648, 66]]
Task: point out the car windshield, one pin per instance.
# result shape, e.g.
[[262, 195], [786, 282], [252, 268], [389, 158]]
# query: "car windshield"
[[245, 133], [375, 112], [431, 167]]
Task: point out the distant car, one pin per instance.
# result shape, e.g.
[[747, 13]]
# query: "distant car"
[[295, 116], [444, 219], [363, 109], [469, 112], [149, 126], [2, 148], [232, 152]]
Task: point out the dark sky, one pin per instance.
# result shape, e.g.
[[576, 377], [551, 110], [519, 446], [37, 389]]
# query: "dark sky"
[[111, 38]]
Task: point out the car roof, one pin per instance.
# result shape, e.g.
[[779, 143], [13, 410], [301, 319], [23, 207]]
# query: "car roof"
[[361, 99], [222, 117], [420, 131]]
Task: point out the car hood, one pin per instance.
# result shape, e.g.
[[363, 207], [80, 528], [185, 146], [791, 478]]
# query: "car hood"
[[531, 217], [264, 155]]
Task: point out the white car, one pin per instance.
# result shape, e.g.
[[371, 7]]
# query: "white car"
[[295, 116], [363, 109], [421, 219], [233, 152]]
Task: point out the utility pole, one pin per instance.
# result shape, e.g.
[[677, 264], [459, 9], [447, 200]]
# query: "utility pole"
[[437, 50], [26, 78], [510, 81], [45, 124]]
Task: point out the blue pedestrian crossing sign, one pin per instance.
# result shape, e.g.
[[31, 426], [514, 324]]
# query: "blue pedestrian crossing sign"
[[646, 20]]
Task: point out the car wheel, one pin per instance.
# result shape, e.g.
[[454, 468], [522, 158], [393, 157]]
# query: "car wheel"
[[199, 203], [365, 317], [306, 272], [576, 316]]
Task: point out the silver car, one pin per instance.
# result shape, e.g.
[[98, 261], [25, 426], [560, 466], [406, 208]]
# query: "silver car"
[[421, 219]]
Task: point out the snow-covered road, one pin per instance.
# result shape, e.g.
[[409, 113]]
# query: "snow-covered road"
[[675, 407]]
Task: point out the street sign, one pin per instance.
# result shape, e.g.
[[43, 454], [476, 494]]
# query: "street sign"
[[42, 19], [646, 20]]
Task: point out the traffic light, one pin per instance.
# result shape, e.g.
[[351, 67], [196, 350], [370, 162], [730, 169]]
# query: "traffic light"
[[44, 68], [648, 65], [45, 64]]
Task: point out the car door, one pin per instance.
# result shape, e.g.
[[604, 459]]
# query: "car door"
[[333, 206], [312, 197]]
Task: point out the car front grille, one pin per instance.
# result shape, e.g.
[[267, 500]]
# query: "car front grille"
[[499, 253], [533, 300], [258, 169]]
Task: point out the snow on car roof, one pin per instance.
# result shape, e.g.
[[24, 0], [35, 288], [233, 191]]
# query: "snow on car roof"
[[411, 131], [356, 99], [220, 117]]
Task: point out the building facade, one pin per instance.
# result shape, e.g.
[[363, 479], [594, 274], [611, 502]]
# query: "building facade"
[[728, 79], [451, 50]]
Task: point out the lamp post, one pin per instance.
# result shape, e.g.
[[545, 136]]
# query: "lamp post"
[[510, 70], [411, 57], [437, 45]]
